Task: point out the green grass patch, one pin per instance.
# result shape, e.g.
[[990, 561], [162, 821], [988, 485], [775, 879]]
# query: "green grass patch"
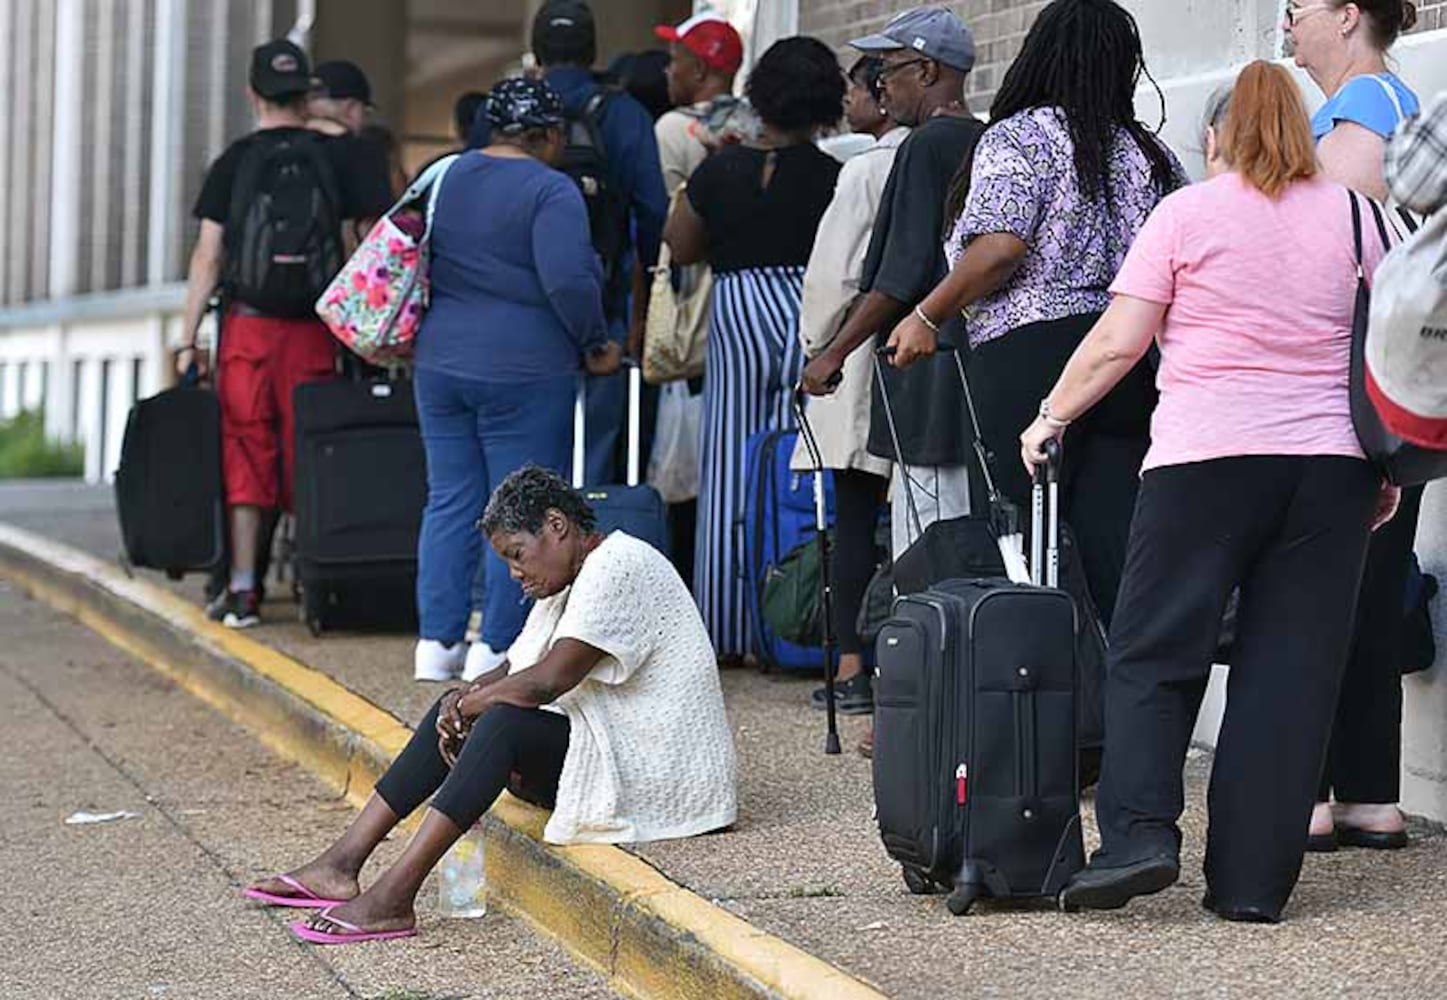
[[25, 453]]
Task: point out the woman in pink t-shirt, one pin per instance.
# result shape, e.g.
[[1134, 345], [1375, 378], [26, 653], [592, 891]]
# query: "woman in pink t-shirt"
[[1254, 480]]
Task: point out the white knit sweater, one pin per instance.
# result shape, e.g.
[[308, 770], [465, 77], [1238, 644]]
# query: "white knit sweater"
[[650, 754]]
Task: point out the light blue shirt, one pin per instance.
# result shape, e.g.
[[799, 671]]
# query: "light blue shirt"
[[1367, 101]]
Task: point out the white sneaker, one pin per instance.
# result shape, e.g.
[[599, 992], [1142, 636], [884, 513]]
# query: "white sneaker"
[[435, 661], [481, 660]]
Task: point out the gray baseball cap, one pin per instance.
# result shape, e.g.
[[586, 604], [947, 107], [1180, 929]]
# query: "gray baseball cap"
[[933, 32]]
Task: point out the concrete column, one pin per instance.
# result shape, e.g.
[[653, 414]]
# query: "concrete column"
[[133, 144], [102, 148], [42, 144], [65, 154], [7, 139], [167, 121], [19, 150]]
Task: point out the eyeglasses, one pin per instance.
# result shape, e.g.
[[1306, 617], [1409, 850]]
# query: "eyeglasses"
[[889, 69], [1295, 12]]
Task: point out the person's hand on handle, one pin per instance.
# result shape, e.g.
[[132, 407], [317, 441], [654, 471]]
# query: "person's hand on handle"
[[192, 355], [1387, 503], [912, 339], [605, 359], [1033, 441], [821, 376]]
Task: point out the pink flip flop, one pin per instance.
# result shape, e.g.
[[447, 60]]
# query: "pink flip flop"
[[352, 934], [304, 898]]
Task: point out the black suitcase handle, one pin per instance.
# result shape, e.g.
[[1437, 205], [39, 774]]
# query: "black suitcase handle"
[[982, 454]]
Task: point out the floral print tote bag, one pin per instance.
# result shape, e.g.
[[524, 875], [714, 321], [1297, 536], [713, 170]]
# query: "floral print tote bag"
[[375, 303]]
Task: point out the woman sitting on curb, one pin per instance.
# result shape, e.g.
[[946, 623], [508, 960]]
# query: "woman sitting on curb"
[[609, 710]]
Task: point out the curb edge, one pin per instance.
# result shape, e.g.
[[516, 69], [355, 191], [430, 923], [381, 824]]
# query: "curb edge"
[[647, 935]]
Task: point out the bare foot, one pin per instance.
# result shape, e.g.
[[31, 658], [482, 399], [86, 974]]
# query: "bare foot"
[[325, 880], [1371, 817], [1321, 820], [368, 912]]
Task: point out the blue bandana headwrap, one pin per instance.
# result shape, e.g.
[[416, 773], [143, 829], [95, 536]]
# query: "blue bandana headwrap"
[[520, 104]]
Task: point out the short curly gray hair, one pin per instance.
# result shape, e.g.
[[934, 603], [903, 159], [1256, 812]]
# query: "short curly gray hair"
[[522, 501]]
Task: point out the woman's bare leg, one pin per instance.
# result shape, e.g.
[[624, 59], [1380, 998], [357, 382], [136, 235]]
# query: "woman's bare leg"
[[333, 874], [390, 903]]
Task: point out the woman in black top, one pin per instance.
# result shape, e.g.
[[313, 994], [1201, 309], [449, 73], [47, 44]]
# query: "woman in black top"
[[751, 212]]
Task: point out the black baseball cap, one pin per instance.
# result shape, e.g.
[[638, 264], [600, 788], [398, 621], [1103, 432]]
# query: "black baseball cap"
[[280, 69], [341, 80], [564, 24]]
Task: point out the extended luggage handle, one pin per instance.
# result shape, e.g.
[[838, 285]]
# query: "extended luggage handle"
[[821, 535], [1001, 510], [635, 429], [1045, 519]]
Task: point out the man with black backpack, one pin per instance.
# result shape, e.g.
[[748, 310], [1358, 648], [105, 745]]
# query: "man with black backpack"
[[612, 156], [272, 209]]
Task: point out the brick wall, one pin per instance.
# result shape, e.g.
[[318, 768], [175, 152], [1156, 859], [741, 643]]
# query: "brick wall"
[[999, 27]]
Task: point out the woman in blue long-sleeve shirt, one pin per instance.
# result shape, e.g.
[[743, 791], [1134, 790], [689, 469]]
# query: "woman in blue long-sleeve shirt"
[[516, 309]]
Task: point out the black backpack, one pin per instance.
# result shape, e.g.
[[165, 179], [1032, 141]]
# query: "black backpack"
[[585, 160], [283, 238]]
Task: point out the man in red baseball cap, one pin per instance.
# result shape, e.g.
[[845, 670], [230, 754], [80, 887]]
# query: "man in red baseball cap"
[[706, 53]]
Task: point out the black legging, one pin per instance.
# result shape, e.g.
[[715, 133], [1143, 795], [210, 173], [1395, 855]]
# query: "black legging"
[[857, 498], [521, 749]]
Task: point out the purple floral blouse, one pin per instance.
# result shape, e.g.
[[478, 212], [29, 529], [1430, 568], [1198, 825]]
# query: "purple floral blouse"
[[1024, 183]]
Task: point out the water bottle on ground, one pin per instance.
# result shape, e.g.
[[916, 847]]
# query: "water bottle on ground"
[[462, 877]]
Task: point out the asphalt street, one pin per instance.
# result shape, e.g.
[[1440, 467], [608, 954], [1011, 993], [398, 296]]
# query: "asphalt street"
[[149, 906]]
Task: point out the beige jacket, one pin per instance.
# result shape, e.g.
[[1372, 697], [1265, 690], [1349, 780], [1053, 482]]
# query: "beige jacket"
[[831, 283]]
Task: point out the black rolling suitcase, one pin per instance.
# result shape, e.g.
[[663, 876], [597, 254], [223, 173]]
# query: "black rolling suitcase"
[[634, 508], [361, 485], [974, 732], [169, 493], [969, 547]]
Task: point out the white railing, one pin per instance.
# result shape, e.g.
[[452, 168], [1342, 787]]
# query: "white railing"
[[85, 361]]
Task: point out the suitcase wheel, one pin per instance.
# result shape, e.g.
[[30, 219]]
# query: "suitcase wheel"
[[918, 883], [310, 611], [962, 897]]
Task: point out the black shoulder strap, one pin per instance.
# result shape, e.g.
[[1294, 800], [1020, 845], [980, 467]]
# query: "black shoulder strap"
[[591, 115], [1381, 221], [331, 188]]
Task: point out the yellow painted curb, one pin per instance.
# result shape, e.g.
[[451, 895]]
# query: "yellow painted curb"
[[648, 935]]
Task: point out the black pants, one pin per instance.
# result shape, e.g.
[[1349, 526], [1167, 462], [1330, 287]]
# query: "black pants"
[[521, 749], [1292, 533], [858, 497], [1364, 760], [1103, 450]]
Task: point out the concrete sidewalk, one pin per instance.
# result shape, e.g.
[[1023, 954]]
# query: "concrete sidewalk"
[[805, 863]]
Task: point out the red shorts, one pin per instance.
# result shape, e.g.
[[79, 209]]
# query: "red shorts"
[[262, 361]]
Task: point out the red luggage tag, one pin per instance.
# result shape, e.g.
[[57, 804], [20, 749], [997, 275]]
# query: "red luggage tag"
[[961, 784]]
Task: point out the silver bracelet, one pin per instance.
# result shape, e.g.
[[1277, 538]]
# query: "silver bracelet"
[[1051, 421], [919, 315]]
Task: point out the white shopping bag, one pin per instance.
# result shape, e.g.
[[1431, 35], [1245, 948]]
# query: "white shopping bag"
[[673, 466]]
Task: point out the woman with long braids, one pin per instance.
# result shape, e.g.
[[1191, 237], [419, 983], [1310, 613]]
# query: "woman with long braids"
[[1046, 209]]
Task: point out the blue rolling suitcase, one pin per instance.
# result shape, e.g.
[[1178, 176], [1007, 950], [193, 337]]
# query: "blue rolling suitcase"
[[778, 517], [634, 508]]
